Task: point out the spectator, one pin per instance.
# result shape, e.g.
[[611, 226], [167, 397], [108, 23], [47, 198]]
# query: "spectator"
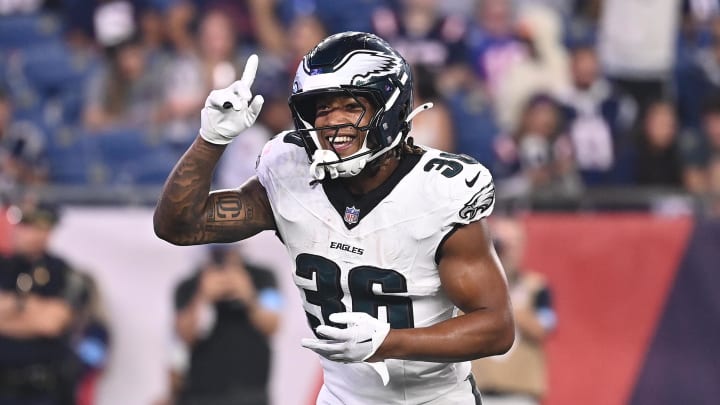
[[304, 33], [583, 19], [697, 78], [38, 296], [427, 38], [519, 377], [474, 124], [433, 128], [637, 46], [599, 121], [699, 149], [211, 63], [492, 45], [538, 156], [267, 29], [22, 150], [337, 16], [255, 21], [179, 18], [658, 158], [124, 92], [226, 314], [544, 70]]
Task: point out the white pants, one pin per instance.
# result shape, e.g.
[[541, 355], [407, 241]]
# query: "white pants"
[[462, 394]]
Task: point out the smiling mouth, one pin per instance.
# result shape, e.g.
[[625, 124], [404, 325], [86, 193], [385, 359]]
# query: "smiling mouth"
[[340, 142]]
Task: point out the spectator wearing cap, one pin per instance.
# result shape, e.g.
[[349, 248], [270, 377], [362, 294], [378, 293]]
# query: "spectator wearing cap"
[[38, 296]]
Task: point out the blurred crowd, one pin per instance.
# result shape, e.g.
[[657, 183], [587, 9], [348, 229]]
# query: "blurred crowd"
[[554, 96]]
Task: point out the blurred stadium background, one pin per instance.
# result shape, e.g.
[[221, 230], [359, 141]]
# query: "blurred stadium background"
[[599, 119]]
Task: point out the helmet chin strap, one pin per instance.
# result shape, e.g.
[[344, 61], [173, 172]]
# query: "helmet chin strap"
[[320, 165], [322, 156]]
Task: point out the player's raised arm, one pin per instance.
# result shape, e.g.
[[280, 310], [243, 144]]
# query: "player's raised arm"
[[187, 212], [472, 276]]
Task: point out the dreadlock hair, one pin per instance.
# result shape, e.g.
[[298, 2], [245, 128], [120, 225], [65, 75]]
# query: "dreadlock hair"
[[409, 148]]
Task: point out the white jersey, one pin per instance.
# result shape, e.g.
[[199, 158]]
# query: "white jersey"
[[377, 254]]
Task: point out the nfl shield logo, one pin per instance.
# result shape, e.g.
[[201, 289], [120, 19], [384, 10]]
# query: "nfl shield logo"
[[352, 215]]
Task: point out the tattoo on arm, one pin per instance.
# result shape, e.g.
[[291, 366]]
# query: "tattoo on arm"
[[228, 209], [188, 213], [239, 213]]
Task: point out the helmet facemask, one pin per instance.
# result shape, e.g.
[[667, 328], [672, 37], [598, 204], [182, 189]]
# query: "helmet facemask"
[[328, 159]]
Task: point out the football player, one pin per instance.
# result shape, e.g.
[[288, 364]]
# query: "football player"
[[389, 239]]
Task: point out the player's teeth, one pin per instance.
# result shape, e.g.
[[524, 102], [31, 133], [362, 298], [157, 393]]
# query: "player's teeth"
[[342, 139]]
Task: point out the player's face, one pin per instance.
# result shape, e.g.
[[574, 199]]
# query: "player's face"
[[343, 110]]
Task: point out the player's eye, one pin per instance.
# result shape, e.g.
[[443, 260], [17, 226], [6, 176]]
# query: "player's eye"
[[353, 106], [322, 109]]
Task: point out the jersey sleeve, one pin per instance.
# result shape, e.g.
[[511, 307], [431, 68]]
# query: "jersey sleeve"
[[477, 197], [264, 162], [280, 161], [469, 196]]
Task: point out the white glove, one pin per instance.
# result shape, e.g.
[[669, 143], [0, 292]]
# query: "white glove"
[[226, 112], [356, 343]]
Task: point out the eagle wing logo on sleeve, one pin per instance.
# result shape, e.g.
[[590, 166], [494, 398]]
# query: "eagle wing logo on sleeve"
[[480, 202]]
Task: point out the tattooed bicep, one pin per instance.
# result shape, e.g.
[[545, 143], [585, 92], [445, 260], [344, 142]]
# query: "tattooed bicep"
[[240, 212], [228, 206]]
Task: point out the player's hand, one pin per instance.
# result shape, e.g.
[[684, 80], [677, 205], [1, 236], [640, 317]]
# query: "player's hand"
[[230, 111], [356, 343]]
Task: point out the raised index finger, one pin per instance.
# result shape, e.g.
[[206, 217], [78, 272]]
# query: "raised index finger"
[[248, 76]]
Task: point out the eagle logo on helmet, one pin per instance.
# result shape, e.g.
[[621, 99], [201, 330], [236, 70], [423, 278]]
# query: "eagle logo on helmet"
[[359, 66]]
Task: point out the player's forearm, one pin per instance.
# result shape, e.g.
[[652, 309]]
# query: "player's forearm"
[[470, 336], [180, 209]]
